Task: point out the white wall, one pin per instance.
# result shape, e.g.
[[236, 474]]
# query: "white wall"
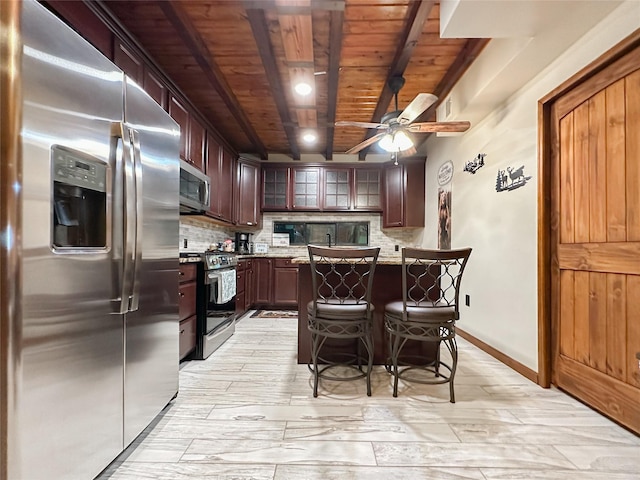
[[502, 227]]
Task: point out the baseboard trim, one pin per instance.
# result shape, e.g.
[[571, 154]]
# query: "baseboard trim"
[[498, 355]]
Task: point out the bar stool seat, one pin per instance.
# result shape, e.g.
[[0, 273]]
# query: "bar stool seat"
[[421, 311], [334, 310]]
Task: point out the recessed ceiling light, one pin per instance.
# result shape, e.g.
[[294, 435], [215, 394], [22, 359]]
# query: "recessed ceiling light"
[[309, 137], [303, 88]]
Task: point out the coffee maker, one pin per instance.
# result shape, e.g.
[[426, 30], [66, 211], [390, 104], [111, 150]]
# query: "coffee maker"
[[243, 243]]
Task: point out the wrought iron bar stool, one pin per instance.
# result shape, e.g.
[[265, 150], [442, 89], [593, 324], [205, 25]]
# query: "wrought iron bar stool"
[[427, 313], [341, 308]]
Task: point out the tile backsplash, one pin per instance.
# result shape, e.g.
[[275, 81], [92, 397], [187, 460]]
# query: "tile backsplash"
[[201, 233]]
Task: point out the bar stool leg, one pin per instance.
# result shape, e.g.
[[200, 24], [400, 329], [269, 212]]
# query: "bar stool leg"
[[368, 344], [453, 348], [314, 359]]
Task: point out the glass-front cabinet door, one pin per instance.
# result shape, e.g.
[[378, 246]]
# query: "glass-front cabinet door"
[[275, 183], [367, 189], [337, 189], [306, 188]]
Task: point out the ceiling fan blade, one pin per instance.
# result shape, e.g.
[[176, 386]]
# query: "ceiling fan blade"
[[362, 125], [366, 143], [439, 127], [417, 106]]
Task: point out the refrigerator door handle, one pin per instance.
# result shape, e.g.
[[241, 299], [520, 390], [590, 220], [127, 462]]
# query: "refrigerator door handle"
[[137, 244], [124, 184]]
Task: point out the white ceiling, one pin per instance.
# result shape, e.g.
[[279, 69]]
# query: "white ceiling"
[[528, 35]]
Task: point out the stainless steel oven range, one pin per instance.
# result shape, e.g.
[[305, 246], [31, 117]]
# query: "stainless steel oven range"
[[217, 321]]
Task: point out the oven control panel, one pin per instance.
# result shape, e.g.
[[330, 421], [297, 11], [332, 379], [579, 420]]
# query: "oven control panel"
[[214, 261]]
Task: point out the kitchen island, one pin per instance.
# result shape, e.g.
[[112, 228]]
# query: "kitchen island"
[[387, 287]]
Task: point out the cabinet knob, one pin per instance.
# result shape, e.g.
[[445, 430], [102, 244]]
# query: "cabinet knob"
[[181, 331], [180, 273], [181, 295]]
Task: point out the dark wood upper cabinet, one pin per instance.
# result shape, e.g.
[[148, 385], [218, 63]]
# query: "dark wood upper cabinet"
[[226, 184], [222, 174], [213, 171], [130, 63], [248, 197], [404, 195], [155, 87], [192, 133], [337, 191], [321, 188], [275, 188], [367, 191], [82, 19], [306, 188], [196, 143], [181, 115]]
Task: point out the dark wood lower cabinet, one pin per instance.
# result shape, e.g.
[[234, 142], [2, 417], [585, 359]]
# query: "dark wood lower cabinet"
[[263, 281], [285, 283], [266, 283], [187, 309]]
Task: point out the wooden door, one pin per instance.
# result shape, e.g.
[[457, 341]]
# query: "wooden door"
[[595, 241]]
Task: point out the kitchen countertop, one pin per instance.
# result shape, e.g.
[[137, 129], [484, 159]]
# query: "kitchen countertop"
[[382, 260], [266, 255], [190, 259], [297, 259]]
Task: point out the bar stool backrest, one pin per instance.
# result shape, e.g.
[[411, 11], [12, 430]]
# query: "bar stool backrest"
[[342, 275], [431, 278]]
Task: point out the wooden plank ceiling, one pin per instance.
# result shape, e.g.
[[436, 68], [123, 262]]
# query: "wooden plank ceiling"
[[238, 60]]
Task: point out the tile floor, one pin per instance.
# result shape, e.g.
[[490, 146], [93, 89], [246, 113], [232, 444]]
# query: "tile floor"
[[248, 413]]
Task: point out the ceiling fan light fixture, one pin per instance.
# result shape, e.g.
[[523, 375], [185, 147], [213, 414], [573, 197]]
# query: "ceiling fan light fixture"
[[395, 142], [303, 88]]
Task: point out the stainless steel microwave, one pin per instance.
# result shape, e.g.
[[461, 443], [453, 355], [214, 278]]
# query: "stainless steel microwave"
[[195, 189]]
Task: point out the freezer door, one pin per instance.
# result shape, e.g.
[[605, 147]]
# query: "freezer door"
[[152, 327], [69, 378]]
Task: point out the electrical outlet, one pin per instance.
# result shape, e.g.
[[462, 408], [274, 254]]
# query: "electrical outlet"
[[397, 247], [467, 300]]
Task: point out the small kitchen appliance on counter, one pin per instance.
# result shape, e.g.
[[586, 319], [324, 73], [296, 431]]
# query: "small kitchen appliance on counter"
[[243, 243]]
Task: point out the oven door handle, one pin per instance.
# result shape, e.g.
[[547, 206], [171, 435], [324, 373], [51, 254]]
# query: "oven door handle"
[[221, 326]]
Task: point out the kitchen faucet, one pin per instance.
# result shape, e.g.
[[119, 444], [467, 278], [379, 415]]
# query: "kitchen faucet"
[[329, 239]]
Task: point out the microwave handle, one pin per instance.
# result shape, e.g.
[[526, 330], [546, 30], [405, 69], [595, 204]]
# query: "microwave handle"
[[207, 194]]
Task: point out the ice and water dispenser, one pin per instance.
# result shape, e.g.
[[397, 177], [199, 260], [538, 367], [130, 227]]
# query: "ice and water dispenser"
[[79, 216]]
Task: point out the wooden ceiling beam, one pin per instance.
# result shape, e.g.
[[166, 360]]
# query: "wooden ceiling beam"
[[260, 30], [200, 52], [417, 15], [333, 74]]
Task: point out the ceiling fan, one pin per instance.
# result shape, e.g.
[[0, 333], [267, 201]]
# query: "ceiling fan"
[[395, 125]]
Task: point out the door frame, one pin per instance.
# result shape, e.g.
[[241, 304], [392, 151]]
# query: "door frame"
[[545, 149]]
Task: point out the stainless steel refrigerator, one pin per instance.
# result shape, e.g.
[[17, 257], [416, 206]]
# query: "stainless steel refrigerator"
[[90, 320]]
